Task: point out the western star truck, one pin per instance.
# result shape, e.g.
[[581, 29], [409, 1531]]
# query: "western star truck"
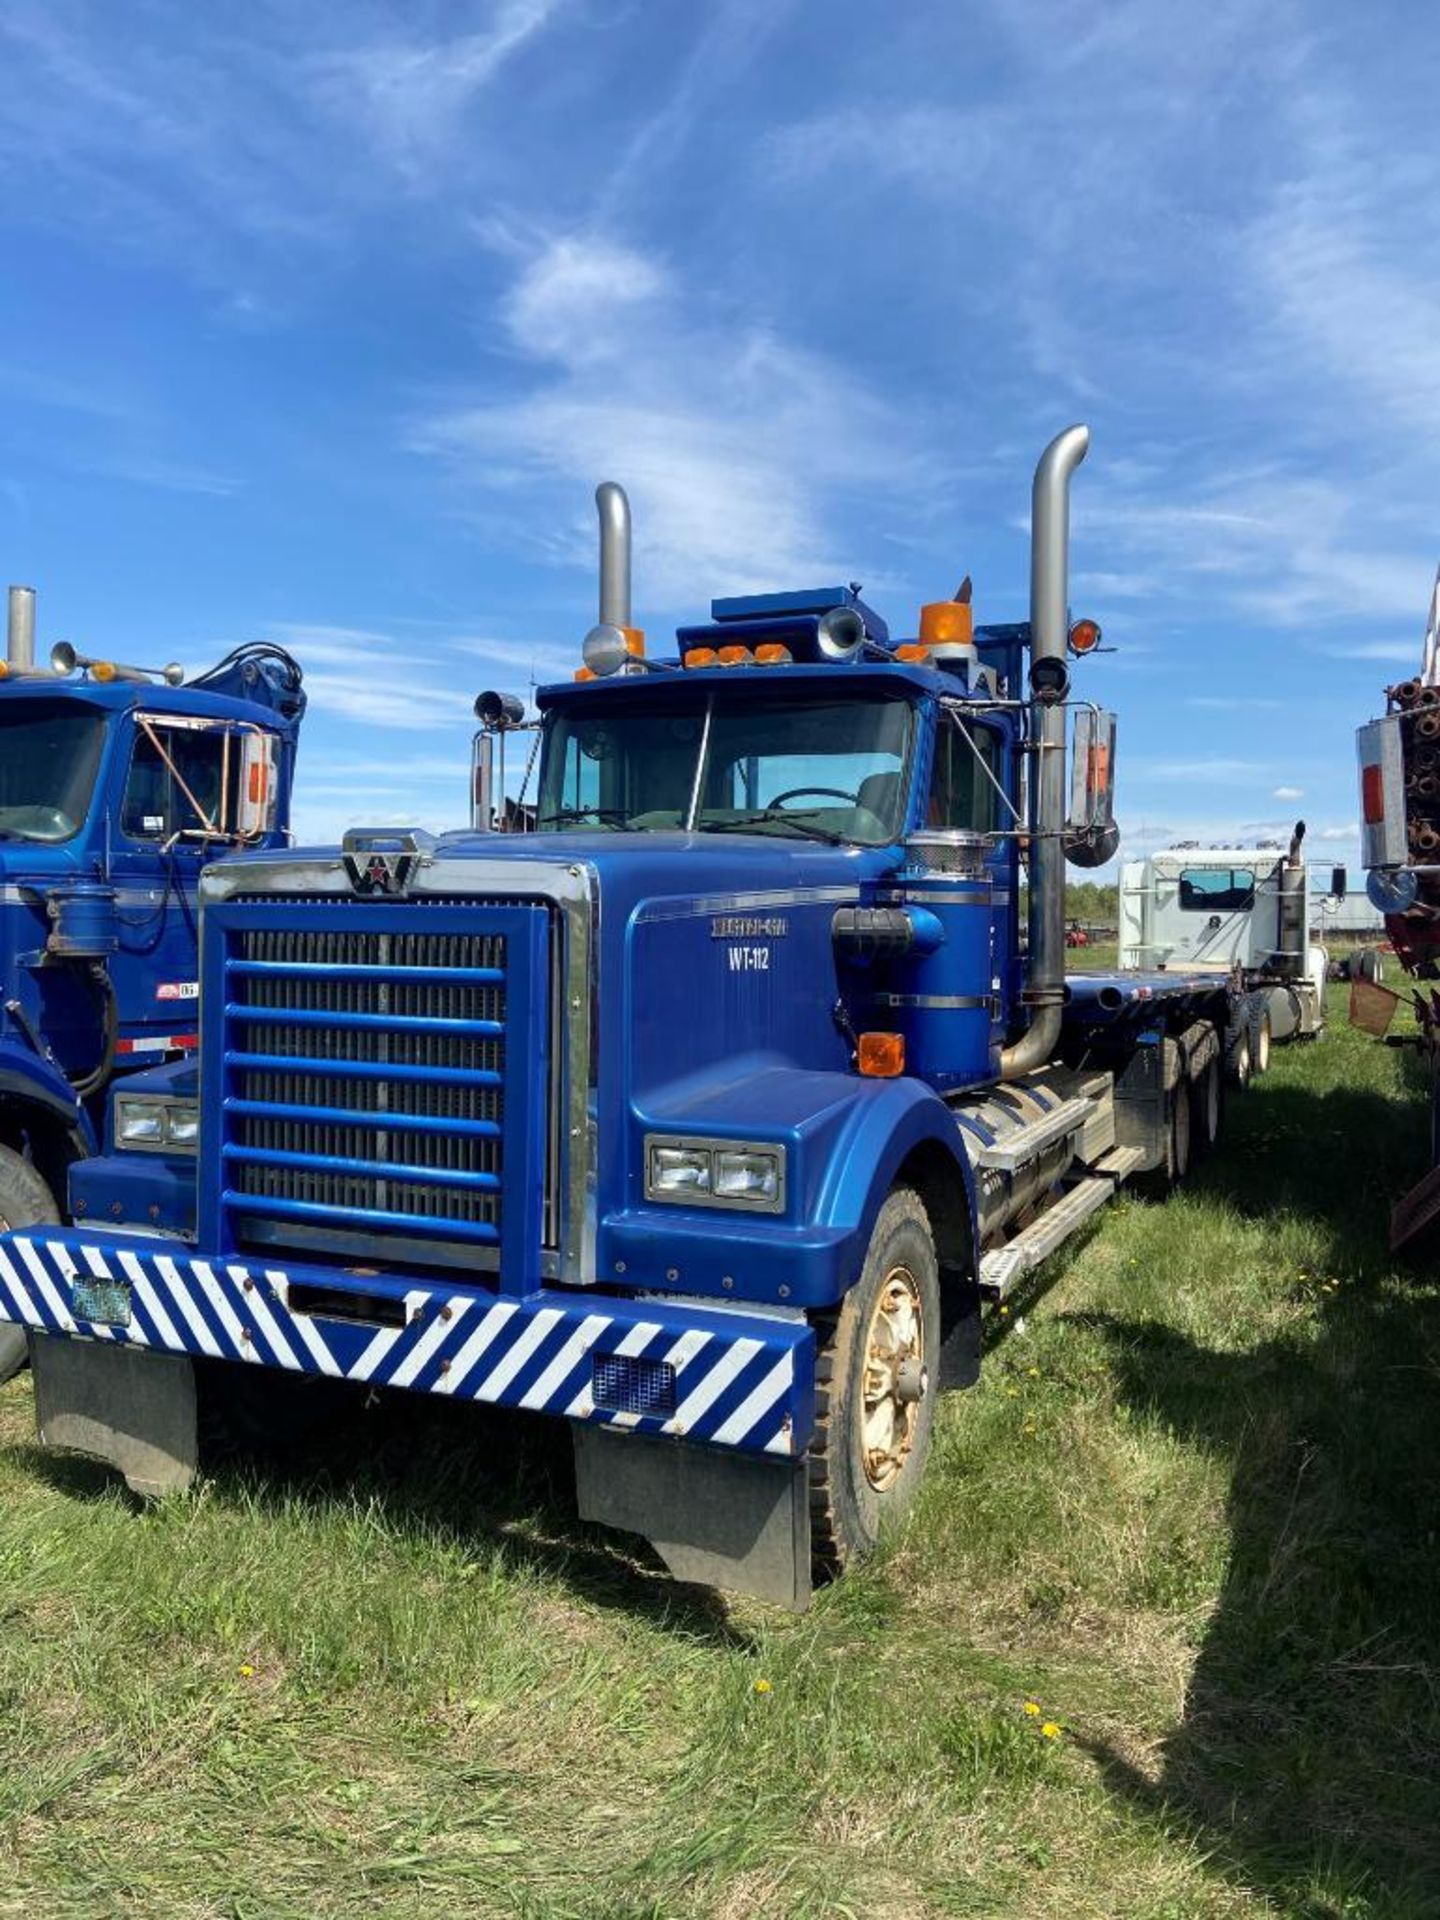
[[116, 786], [706, 1115], [1245, 911]]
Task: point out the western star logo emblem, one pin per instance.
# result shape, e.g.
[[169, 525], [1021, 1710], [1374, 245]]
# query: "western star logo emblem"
[[372, 872]]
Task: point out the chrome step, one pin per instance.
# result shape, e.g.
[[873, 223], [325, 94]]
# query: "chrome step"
[[1012, 1150], [1119, 1163], [1003, 1266]]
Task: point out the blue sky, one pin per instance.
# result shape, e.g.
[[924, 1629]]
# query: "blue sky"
[[321, 321]]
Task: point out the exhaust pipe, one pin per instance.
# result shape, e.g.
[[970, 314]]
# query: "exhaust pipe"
[[20, 640], [1049, 624], [614, 511]]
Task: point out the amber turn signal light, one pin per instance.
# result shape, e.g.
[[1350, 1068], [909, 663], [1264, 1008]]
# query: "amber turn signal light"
[[881, 1056], [1084, 635]]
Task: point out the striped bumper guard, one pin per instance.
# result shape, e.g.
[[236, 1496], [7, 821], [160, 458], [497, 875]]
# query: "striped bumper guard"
[[738, 1380]]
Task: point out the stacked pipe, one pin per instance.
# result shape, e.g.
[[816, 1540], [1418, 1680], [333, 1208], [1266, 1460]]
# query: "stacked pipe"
[[1419, 710]]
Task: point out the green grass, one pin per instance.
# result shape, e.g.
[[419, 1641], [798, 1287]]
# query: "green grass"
[[1191, 1513]]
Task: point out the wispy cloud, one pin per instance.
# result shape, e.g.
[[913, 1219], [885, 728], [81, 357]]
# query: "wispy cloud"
[[712, 422], [413, 95]]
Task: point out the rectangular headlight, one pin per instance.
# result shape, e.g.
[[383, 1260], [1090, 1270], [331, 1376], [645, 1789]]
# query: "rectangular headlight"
[[677, 1172], [146, 1123], [751, 1174], [715, 1173], [139, 1123]]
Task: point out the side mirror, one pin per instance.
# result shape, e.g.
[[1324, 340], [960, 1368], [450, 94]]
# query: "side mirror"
[[1091, 835], [1338, 883], [259, 794]]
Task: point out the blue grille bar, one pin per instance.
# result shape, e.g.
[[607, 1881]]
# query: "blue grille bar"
[[364, 970], [463, 1179], [385, 1120], [364, 1069], [270, 1206], [364, 1022]]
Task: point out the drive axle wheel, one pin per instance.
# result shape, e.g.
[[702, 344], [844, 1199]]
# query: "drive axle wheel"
[[1260, 1042], [874, 1399], [25, 1201], [1205, 1096]]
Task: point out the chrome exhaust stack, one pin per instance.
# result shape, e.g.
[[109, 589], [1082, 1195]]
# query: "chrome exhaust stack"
[[1049, 678], [20, 632], [613, 508]]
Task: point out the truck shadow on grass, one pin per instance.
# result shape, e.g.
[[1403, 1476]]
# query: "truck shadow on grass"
[[1307, 1763], [479, 1480]]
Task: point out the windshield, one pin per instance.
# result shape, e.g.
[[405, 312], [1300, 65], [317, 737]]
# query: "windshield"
[[49, 753], [719, 761]]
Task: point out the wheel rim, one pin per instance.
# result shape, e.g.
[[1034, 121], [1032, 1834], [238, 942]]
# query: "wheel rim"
[[1263, 1050], [894, 1379]]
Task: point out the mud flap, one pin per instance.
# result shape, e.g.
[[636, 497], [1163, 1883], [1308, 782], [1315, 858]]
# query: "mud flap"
[[134, 1410], [719, 1519]]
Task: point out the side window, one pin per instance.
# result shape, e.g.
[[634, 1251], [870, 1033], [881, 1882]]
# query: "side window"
[[962, 781], [177, 783]]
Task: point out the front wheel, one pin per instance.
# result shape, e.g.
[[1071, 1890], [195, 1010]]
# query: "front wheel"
[[875, 1397], [25, 1201]]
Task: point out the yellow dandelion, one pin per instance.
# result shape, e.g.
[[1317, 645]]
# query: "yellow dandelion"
[[247, 1672], [1012, 1393], [762, 1686], [1004, 1312], [1050, 1730], [1032, 1707], [1034, 1372]]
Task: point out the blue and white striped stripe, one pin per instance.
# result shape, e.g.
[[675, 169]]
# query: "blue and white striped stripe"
[[741, 1381]]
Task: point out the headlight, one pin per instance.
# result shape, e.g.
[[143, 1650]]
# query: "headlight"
[[146, 1123], [676, 1171], [748, 1175], [715, 1173]]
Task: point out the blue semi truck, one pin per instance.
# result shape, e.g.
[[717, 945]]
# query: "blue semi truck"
[[117, 784], [706, 1114]]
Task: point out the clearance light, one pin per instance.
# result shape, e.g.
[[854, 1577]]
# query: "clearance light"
[[700, 657], [102, 670], [1084, 636], [772, 654], [881, 1056], [4, 669], [947, 623], [584, 673], [913, 650], [735, 657]]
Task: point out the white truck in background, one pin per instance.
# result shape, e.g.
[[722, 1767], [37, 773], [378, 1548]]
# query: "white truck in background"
[[1245, 911]]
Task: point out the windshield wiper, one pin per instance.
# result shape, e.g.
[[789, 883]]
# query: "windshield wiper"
[[770, 815], [567, 816]]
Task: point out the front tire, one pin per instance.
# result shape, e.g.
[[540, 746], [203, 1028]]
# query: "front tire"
[[875, 1377], [25, 1201]]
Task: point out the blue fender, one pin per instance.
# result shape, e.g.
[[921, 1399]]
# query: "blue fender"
[[885, 1126], [28, 1082]]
